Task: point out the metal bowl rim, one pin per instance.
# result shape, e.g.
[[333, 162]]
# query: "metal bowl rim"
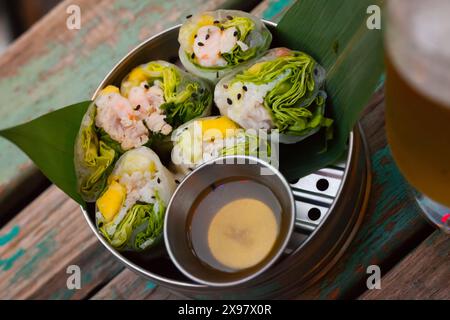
[[136, 268]]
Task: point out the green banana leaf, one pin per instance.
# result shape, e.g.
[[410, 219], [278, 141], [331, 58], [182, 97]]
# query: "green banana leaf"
[[49, 141], [333, 32], [336, 34]]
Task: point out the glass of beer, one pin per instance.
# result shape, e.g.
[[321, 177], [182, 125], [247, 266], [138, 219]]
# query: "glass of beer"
[[417, 44]]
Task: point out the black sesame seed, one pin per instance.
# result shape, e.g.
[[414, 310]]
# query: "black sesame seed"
[[195, 36], [207, 37], [189, 16], [137, 107], [229, 17], [158, 180], [222, 28], [225, 86], [239, 96], [190, 169], [230, 102], [193, 55], [201, 44], [153, 197], [244, 88], [216, 21], [146, 86], [217, 74], [177, 181], [235, 33]]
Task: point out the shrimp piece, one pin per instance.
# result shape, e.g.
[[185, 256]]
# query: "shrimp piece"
[[134, 136], [147, 101], [156, 123], [138, 99], [155, 96], [207, 47], [228, 40], [116, 116], [281, 52]]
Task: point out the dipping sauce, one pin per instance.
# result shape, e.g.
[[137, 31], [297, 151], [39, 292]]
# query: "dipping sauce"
[[234, 224]]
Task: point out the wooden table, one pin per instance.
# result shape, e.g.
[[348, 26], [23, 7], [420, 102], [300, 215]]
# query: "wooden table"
[[42, 231]]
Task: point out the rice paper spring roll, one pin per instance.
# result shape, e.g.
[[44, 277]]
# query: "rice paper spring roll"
[[207, 138], [165, 96], [213, 44], [153, 99], [130, 212], [283, 90]]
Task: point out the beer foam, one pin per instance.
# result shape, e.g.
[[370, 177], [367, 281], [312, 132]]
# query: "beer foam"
[[417, 40]]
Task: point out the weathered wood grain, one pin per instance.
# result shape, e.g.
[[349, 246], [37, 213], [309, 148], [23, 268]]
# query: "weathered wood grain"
[[51, 67], [51, 59], [423, 274], [130, 286], [392, 226], [38, 245]]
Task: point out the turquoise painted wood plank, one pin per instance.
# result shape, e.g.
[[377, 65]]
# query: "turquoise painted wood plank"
[[38, 246], [51, 66], [62, 66], [392, 226], [411, 279]]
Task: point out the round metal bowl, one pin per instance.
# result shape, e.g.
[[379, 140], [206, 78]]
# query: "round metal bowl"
[[329, 203]]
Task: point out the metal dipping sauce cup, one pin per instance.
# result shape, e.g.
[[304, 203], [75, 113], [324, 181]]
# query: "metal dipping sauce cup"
[[175, 234]]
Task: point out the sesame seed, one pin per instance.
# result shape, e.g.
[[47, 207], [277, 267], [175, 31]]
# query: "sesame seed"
[[225, 86], [229, 17], [230, 102], [195, 36], [235, 33], [239, 96], [201, 44], [217, 74], [244, 88], [146, 86], [137, 107], [189, 16], [177, 181], [216, 21], [207, 37], [222, 28], [193, 55], [158, 180]]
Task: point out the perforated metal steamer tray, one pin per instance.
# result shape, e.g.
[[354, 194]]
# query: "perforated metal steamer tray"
[[329, 207]]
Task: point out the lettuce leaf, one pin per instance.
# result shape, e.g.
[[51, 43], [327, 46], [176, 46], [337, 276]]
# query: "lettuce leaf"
[[296, 103], [93, 159], [153, 221], [248, 144], [237, 55], [244, 26], [185, 97], [141, 227]]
